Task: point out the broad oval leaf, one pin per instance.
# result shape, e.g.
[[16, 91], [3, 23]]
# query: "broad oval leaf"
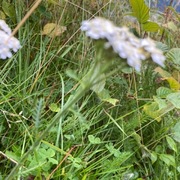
[[174, 98], [151, 27], [168, 159], [176, 132], [54, 107], [162, 92], [153, 157], [140, 10], [174, 55], [171, 143]]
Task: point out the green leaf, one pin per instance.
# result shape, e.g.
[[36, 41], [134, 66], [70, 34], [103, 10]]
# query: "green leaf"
[[168, 159], [53, 161], [162, 92], [42, 154], [174, 55], [161, 102], [94, 140], [151, 27], [174, 98], [127, 70], [77, 163], [163, 47], [176, 132], [113, 150], [171, 143], [140, 10], [50, 153], [105, 96], [12, 155], [9, 10], [178, 169], [153, 157], [54, 107]]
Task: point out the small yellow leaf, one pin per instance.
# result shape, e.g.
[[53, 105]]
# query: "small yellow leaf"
[[152, 110], [52, 30], [174, 85]]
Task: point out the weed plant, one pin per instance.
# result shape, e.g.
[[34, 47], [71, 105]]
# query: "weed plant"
[[71, 111]]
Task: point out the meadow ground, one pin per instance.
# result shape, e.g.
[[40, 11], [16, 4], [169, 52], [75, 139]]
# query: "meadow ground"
[[72, 110]]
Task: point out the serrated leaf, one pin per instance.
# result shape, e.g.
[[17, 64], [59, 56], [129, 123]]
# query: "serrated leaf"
[[153, 157], [163, 47], [94, 140], [54, 107], [168, 159], [113, 150], [176, 132], [151, 27], [52, 30], [162, 92], [174, 55], [171, 143], [174, 98], [140, 10]]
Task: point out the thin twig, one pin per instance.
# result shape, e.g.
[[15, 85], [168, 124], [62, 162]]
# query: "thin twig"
[[65, 157], [12, 160], [36, 4]]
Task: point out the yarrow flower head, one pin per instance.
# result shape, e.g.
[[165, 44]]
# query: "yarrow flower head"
[[123, 42], [8, 43]]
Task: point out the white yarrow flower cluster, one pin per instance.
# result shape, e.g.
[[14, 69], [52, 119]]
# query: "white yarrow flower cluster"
[[123, 42], [7, 43]]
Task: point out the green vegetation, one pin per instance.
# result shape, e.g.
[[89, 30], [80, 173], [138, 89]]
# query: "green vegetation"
[[71, 110]]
